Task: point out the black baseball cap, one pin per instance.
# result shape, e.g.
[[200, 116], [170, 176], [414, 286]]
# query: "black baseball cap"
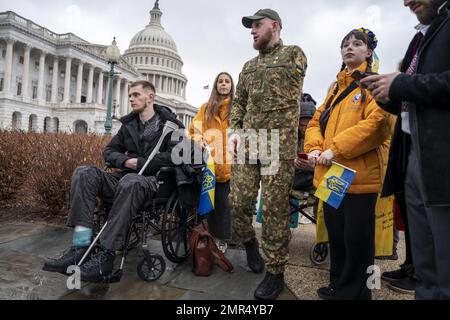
[[261, 14]]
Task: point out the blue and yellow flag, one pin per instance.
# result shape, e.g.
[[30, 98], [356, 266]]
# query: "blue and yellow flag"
[[335, 184], [206, 204]]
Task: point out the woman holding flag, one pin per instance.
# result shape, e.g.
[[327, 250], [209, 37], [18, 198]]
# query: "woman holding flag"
[[350, 131], [209, 128]]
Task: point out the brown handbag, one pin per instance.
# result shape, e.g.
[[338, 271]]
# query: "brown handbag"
[[205, 253]]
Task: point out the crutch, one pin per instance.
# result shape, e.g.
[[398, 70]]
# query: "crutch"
[[169, 127]]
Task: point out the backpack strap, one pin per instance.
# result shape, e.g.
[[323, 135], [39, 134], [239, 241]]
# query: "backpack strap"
[[325, 116], [345, 93]]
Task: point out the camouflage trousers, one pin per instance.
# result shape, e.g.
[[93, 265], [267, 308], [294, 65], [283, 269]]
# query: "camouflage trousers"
[[245, 182]]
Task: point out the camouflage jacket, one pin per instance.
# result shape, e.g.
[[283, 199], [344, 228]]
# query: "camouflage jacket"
[[268, 95]]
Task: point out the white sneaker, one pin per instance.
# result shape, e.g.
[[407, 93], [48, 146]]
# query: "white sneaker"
[[304, 220], [222, 245]]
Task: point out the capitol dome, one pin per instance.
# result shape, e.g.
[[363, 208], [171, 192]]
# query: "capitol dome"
[[154, 36], [153, 53]]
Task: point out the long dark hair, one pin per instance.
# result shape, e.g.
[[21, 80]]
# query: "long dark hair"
[[213, 104], [368, 42]]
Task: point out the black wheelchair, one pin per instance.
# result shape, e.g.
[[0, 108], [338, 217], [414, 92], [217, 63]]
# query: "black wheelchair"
[[298, 202], [162, 216]]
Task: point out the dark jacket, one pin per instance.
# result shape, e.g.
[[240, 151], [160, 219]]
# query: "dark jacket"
[[127, 145], [428, 92]]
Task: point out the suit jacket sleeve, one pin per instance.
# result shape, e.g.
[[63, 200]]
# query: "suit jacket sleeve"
[[424, 89]]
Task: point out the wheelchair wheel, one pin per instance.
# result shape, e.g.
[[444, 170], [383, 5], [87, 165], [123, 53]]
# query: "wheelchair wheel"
[[319, 253], [151, 268], [177, 225]]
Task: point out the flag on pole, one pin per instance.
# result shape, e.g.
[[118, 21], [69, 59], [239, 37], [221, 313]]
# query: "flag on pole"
[[206, 203], [335, 184], [376, 63]]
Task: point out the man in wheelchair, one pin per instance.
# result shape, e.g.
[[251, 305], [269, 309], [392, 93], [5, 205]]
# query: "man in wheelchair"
[[125, 190]]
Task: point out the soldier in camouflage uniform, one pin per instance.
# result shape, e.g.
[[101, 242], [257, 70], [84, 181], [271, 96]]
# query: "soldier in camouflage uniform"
[[268, 92]]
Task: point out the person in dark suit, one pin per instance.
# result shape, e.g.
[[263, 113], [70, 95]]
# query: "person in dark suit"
[[420, 149]]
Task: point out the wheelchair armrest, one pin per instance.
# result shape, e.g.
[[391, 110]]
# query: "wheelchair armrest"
[[166, 170]]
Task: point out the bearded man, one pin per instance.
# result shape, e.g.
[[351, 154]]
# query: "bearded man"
[[266, 101]]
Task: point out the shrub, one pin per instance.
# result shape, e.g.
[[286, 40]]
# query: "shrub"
[[54, 158], [14, 162]]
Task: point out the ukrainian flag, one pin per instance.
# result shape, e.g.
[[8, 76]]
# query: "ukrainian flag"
[[206, 203], [335, 184]]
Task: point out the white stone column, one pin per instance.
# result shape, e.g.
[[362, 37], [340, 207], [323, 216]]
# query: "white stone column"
[[166, 84], [8, 66], [54, 125], [154, 80], [67, 80], [41, 83], [79, 82], [26, 72], [90, 85], [55, 76], [125, 99], [106, 91], [100, 88], [118, 101]]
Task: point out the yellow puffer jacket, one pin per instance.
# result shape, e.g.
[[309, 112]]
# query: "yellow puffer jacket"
[[215, 135], [359, 136]]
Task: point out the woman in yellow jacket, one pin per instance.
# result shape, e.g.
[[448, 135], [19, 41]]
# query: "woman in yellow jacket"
[[355, 135], [209, 128]]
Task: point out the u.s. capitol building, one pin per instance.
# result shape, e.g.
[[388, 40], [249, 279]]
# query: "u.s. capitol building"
[[53, 82]]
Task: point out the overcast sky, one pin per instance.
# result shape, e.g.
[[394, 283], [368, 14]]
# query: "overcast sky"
[[210, 37]]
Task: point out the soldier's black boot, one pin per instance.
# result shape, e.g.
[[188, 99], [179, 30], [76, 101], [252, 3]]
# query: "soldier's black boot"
[[99, 267], [254, 259], [326, 293], [71, 257], [271, 286]]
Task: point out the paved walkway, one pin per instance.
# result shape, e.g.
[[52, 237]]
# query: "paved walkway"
[[24, 247]]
